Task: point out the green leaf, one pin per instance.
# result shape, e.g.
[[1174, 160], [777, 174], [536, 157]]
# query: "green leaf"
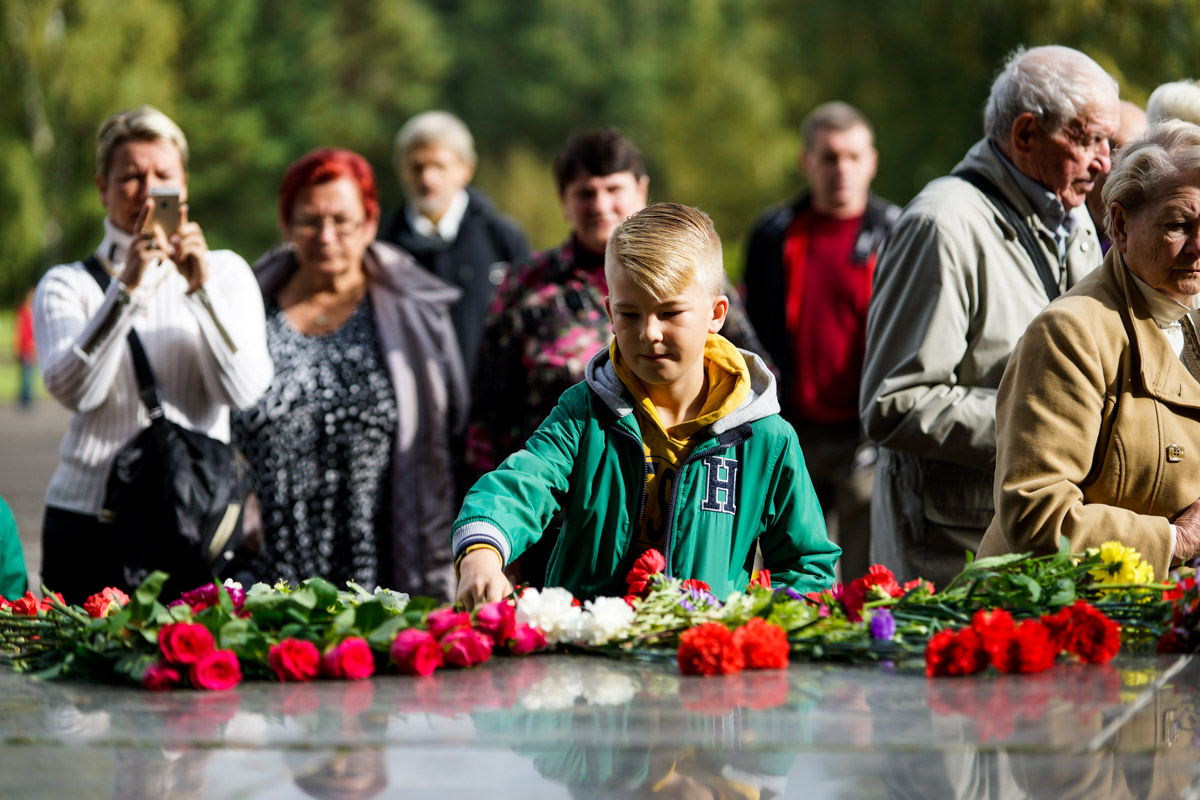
[[305, 597], [326, 593], [146, 597], [1031, 586], [369, 615], [381, 637], [995, 562], [1064, 593]]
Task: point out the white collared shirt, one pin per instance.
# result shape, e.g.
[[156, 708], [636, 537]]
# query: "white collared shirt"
[[447, 227]]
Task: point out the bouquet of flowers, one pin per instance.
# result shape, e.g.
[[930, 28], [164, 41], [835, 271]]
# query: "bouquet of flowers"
[[214, 636], [1018, 613]]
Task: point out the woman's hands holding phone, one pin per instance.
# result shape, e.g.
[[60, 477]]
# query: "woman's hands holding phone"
[[186, 248]]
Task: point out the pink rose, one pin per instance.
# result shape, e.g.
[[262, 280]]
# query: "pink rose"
[[295, 660], [497, 620], [444, 620], [526, 640], [416, 652], [466, 647], [184, 642], [351, 660], [217, 671], [160, 676]]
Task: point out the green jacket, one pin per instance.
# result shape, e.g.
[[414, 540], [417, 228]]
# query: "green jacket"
[[744, 482]]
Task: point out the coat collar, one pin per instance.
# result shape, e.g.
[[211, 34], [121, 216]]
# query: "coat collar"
[[1163, 374]]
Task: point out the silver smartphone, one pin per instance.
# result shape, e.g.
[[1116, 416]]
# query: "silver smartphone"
[[166, 208]]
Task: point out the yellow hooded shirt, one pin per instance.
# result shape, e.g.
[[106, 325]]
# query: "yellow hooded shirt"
[[727, 386]]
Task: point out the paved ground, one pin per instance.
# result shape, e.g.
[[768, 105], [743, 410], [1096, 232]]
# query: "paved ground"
[[28, 455]]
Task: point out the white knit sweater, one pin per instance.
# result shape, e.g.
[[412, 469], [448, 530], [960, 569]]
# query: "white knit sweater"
[[205, 357]]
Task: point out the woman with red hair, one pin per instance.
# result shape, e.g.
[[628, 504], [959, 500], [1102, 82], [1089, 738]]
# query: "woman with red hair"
[[350, 444]]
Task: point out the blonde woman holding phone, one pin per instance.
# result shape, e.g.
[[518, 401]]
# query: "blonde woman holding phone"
[[197, 313]]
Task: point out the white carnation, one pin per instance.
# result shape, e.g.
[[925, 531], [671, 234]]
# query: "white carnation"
[[604, 619], [551, 610]]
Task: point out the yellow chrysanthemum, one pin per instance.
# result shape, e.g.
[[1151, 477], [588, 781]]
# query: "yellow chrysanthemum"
[[1120, 564]]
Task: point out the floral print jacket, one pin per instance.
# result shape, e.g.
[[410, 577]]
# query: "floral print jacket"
[[545, 323]]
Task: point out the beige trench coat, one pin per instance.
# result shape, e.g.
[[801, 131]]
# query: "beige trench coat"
[[1098, 428]]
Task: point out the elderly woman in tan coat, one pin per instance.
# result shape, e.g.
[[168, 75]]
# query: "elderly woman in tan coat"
[[1098, 413]]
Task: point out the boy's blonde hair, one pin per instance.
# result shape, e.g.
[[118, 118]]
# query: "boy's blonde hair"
[[664, 248]]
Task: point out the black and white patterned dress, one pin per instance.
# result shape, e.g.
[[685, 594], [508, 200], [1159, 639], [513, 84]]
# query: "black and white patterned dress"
[[320, 441]]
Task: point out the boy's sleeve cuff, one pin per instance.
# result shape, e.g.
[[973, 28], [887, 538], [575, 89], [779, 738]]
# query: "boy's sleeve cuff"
[[480, 532]]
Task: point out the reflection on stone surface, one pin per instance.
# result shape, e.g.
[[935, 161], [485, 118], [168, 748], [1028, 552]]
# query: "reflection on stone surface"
[[555, 727]]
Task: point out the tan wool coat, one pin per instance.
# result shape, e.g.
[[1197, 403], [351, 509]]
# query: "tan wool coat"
[[1098, 427]]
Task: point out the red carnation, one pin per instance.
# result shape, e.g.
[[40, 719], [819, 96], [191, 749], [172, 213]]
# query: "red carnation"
[[881, 576], [27, 605], [1177, 589], [105, 603], [915, 583], [763, 645], [954, 653], [995, 627], [47, 603], [184, 642], [295, 660], [709, 649], [648, 564], [352, 660], [762, 578], [416, 652], [217, 671], [697, 584], [1029, 647], [1094, 637], [878, 579], [1059, 626]]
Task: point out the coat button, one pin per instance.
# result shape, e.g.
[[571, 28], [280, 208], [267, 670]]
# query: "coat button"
[[1174, 453], [1084, 247]]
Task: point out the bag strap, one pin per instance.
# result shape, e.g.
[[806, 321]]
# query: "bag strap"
[[1024, 235], [147, 389]]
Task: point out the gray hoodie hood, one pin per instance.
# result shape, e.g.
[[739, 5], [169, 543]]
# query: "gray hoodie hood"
[[762, 401]]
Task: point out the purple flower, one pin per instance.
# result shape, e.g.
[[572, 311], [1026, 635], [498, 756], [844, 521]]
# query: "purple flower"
[[883, 624], [792, 593], [694, 598], [202, 597]]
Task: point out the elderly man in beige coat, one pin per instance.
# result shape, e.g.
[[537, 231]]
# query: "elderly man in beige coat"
[[973, 258]]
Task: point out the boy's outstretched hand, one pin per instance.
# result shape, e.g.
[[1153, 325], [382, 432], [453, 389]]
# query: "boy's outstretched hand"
[[481, 579]]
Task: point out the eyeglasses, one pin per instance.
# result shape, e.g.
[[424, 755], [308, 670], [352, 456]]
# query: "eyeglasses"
[[315, 226]]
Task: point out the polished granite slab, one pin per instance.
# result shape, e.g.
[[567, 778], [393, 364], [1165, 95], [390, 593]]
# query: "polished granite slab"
[[580, 727]]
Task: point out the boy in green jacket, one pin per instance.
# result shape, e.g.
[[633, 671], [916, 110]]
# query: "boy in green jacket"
[[673, 442]]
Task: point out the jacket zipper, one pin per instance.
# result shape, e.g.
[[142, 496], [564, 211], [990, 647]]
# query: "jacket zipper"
[[675, 492]]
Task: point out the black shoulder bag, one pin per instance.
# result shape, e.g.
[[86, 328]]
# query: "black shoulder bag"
[[174, 496], [1013, 217]]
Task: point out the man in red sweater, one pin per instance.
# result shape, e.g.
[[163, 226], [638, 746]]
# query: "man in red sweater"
[[809, 265]]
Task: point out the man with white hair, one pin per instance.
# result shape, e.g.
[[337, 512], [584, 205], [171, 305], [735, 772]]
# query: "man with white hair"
[[450, 228], [972, 259]]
